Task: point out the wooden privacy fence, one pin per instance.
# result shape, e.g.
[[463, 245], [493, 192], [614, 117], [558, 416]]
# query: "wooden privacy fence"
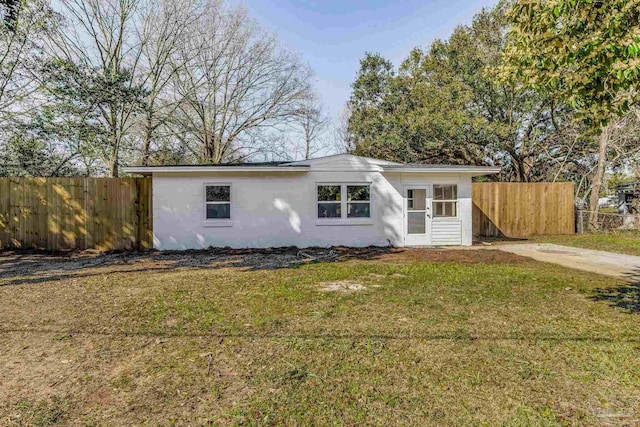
[[76, 213], [116, 213], [503, 209]]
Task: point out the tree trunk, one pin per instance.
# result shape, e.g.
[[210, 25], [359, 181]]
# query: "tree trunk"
[[307, 152], [598, 177], [148, 135], [113, 168], [207, 155], [115, 155], [518, 166]]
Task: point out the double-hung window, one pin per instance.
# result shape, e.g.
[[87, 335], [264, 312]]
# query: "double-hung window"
[[344, 201], [218, 201], [445, 201]]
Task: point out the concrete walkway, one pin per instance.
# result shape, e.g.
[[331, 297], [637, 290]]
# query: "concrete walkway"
[[607, 263]]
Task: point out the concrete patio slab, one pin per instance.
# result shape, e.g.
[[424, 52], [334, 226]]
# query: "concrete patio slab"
[[607, 263]]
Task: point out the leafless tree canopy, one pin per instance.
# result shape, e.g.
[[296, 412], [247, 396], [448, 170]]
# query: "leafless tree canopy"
[[153, 81], [237, 83], [312, 125], [20, 45]]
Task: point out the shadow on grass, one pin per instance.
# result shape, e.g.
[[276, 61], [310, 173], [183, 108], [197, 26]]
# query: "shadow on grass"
[[455, 335], [625, 296], [31, 267], [26, 268]]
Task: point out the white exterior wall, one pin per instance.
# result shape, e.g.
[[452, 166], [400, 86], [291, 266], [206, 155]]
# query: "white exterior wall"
[[280, 209]]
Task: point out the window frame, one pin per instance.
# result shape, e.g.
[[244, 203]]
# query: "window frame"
[[455, 203], [333, 202], [356, 202], [217, 222], [344, 219]]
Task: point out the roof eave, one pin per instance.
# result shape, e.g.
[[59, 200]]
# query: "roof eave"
[[149, 170], [475, 171]]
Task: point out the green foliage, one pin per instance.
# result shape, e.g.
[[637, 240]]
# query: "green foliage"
[[32, 157], [81, 102], [586, 51], [446, 105], [375, 127], [10, 9]]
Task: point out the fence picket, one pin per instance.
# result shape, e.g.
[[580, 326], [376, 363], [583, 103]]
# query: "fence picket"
[[74, 213], [506, 209], [116, 213]]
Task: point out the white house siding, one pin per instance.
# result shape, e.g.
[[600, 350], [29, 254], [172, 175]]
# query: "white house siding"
[[455, 231], [446, 232], [272, 209]]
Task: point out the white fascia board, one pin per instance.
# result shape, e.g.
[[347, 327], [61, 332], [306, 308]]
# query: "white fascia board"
[[145, 170], [478, 171]]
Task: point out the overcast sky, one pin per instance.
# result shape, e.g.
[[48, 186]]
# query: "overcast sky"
[[332, 36]]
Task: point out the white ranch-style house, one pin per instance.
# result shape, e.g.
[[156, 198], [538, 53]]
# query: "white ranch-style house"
[[340, 200]]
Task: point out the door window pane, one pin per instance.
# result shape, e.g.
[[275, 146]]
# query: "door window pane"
[[417, 199], [416, 223]]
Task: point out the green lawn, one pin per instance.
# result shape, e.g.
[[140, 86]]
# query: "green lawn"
[[418, 337], [624, 242]]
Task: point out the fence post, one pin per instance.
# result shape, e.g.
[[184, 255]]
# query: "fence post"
[[579, 221]]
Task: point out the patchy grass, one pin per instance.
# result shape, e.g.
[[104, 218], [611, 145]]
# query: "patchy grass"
[[428, 338], [624, 242]]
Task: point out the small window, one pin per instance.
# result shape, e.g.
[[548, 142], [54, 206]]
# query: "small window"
[[218, 201], [445, 201], [329, 201], [358, 201]]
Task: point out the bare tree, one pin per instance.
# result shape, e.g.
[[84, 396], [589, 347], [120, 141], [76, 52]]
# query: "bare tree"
[[103, 35], [238, 82], [166, 27], [341, 140], [22, 31], [313, 124], [619, 142]]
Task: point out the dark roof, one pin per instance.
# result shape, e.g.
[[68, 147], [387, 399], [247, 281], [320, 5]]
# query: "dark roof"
[[244, 165], [630, 186]]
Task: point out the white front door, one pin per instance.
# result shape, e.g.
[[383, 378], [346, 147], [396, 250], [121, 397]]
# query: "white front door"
[[417, 215]]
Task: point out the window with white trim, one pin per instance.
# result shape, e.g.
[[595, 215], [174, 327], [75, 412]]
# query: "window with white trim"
[[344, 201], [445, 201], [358, 201], [218, 201], [329, 201]]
